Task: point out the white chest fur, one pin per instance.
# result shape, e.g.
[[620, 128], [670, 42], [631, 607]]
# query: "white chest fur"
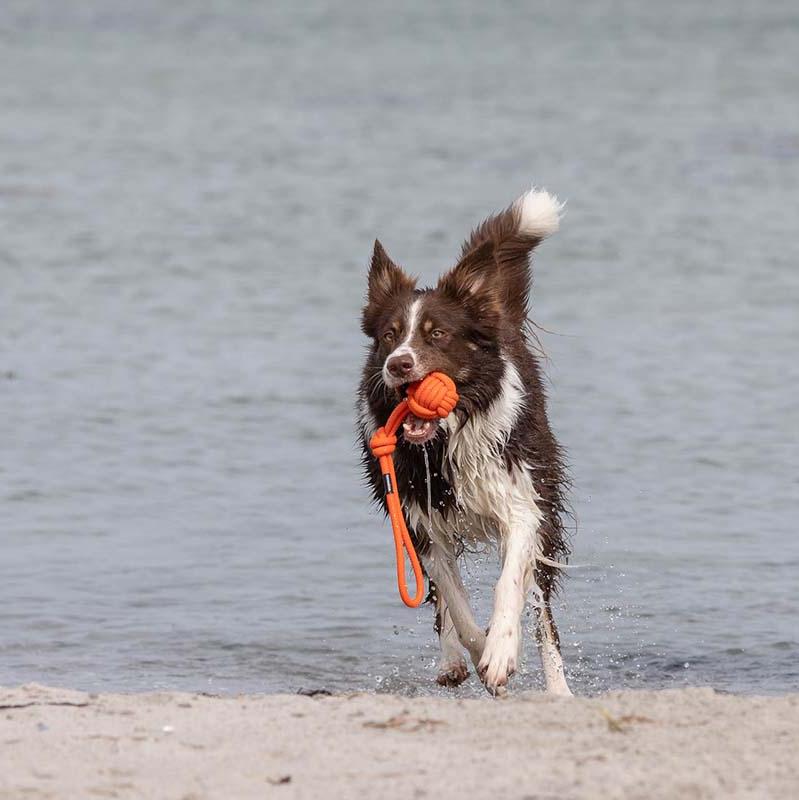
[[492, 498]]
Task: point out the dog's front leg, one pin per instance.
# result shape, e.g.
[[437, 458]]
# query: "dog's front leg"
[[452, 669], [501, 654], [441, 565]]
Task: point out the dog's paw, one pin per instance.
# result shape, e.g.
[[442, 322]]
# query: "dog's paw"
[[499, 660], [452, 673]]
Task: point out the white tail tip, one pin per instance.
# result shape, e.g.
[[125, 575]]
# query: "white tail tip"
[[539, 213]]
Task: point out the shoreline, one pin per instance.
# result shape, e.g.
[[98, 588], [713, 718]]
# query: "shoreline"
[[688, 743]]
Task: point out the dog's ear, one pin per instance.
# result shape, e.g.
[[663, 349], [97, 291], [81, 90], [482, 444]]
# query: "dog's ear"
[[514, 234], [385, 277], [386, 280], [474, 281]]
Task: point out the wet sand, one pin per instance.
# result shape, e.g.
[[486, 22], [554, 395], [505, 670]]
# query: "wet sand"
[[688, 743]]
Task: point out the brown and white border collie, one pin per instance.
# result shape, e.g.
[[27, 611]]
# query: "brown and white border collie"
[[496, 471]]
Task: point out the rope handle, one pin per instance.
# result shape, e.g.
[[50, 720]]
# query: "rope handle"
[[432, 398]]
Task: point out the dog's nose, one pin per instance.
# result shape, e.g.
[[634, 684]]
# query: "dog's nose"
[[400, 366]]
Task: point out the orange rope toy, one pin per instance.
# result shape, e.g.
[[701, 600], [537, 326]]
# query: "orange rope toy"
[[432, 398]]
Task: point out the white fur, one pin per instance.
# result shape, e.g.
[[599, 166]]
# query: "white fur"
[[494, 503], [404, 347], [486, 492], [441, 565], [501, 653], [366, 419], [452, 666], [539, 213], [485, 488], [551, 660], [498, 503], [451, 651]]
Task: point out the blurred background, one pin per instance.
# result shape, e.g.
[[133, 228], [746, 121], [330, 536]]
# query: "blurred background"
[[189, 192]]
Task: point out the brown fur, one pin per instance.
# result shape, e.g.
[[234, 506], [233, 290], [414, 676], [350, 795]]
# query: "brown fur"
[[475, 315]]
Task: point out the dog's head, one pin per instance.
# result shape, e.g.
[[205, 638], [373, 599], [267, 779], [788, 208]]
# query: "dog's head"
[[458, 326]]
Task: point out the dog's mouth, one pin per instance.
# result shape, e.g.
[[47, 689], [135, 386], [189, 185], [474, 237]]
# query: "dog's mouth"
[[418, 431]]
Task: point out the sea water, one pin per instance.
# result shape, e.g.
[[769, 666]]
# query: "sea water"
[[189, 194]]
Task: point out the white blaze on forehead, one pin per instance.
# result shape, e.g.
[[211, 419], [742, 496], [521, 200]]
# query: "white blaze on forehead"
[[410, 322]]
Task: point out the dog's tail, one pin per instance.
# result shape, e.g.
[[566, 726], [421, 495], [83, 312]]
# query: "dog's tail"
[[531, 218], [514, 234]]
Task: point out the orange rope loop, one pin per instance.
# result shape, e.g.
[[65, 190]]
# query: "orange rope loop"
[[432, 398]]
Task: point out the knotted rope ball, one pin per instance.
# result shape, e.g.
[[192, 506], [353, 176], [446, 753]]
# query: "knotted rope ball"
[[433, 397]]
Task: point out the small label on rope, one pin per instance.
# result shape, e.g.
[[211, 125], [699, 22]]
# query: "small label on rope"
[[387, 484]]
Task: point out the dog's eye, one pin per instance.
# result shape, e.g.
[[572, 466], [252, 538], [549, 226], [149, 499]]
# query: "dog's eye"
[[388, 336], [437, 333]]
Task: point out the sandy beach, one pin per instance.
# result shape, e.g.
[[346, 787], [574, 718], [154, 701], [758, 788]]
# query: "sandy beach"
[[689, 743]]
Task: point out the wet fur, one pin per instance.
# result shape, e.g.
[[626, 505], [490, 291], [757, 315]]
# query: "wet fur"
[[483, 305]]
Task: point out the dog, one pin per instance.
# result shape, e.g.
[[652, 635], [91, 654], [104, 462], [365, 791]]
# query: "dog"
[[495, 472]]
